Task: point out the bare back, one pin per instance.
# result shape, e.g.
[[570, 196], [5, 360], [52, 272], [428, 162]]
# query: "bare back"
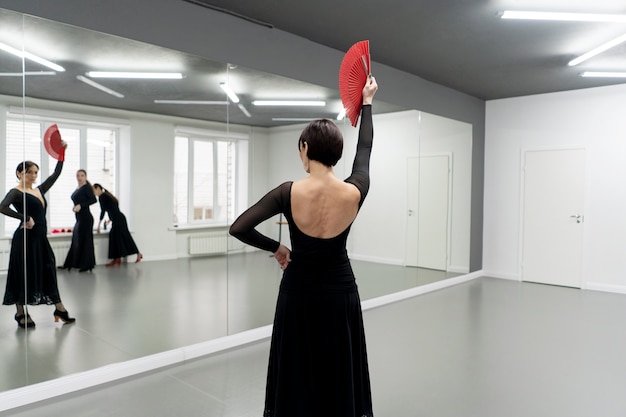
[[323, 207]]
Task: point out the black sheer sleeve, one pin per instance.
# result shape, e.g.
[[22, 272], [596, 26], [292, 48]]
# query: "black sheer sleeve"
[[360, 176], [45, 186], [13, 197], [103, 205], [244, 228]]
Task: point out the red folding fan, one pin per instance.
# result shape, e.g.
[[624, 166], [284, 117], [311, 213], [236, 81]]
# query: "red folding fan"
[[53, 143], [353, 73]]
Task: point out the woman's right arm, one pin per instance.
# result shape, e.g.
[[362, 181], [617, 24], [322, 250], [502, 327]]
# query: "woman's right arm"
[[360, 176], [13, 196]]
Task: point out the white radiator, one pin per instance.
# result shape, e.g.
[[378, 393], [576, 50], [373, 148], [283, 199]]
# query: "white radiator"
[[4, 259], [208, 243], [60, 250]]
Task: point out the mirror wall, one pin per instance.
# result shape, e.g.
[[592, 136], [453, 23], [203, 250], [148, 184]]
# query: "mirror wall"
[[187, 291]]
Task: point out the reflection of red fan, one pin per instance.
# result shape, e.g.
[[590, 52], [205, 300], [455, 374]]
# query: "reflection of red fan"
[[53, 143], [353, 73]]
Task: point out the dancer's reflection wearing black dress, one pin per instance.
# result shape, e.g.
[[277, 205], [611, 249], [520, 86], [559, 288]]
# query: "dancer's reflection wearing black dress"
[[82, 253], [32, 276], [318, 362], [121, 242]]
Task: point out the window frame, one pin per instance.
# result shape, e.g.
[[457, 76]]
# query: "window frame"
[[79, 122], [193, 136]]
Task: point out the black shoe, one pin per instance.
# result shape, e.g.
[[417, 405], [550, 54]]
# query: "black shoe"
[[28, 322], [85, 269], [63, 315]]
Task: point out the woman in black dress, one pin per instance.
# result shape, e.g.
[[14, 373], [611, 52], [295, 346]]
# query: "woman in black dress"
[[318, 361], [82, 254], [121, 243], [31, 277]]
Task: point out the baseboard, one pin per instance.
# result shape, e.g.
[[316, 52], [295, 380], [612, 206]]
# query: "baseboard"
[[502, 275], [422, 289], [598, 286]]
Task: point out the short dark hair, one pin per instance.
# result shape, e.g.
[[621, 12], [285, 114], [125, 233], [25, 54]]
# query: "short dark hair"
[[25, 166], [324, 140]]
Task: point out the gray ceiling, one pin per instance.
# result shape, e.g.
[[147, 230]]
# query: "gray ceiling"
[[461, 44]]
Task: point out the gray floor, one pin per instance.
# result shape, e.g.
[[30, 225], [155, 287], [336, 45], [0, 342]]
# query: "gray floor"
[[141, 309], [484, 348]]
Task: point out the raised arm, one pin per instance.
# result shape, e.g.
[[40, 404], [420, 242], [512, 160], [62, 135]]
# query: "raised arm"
[[45, 186], [360, 176]]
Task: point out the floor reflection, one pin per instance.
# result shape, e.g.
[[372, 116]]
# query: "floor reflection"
[[134, 310]]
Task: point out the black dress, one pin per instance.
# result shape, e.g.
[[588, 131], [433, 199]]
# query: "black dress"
[[121, 243], [318, 360], [37, 283], [82, 254]]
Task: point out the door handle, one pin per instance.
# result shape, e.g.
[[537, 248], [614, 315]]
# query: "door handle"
[[577, 217]]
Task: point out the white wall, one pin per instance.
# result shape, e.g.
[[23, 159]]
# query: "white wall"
[[590, 118]]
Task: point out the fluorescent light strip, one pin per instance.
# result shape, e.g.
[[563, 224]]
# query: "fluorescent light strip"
[[341, 114], [229, 92], [598, 50], [599, 74], [200, 102], [99, 86], [244, 110], [293, 119], [20, 74], [142, 75], [565, 17], [32, 57], [288, 103]]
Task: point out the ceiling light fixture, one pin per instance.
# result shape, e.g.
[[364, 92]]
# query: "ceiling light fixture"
[[565, 17], [597, 50], [288, 103], [141, 75], [229, 92], [99, 86], [200, 102], [32, 57], [599, 74], [342, 114], [293, 119], [21, 74], [244, 110]]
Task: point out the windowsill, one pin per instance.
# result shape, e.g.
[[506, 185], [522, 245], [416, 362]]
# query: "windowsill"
[[185, 227], [66, 234], [61, 235]]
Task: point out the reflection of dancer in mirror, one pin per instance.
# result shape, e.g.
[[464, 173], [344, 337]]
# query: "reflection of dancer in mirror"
[[121, 243], [82, 254], [32, 276], [318, 361]]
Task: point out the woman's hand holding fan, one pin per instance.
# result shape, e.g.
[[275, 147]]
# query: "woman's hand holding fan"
[[353, 74], [54, 144]]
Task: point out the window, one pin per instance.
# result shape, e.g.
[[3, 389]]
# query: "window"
[[205, 179], [89, 148]]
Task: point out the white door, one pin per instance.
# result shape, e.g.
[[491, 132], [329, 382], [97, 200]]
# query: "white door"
[[552, 232], [428, 212]]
